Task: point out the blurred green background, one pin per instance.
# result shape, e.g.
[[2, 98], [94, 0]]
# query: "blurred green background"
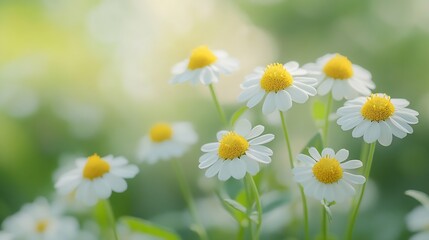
[[78, 77]]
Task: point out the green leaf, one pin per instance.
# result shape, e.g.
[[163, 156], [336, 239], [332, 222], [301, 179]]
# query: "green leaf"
[[146, 227], [236, 205], [236, 214], [315, 141], [319, 110], [275, 199], [237, 114]]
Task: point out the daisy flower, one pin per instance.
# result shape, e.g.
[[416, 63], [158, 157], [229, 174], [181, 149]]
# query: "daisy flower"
[[377, 117], [40, 220], [95, 178], [281, 84], [323, 176], [337, 74], [204, 65], [236, 152], [418, 219], [166, 141]]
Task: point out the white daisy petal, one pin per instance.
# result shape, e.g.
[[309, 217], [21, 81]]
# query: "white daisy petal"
[[328, 152], [248, 93], [385, 138], [283, 101], [261, 149], [252, 165], [116, 183], [237, 168], [243, 127], [360, 129], [306, 159], [209, 162], [269, 105], [372, 133], [356, 179], [262, 139], [297, 94], [102, 188], [214, 169], [325, 87], [256, 131], [210, 147], [352, 164], [314, 153], [220, 134], [224, 173], [255, 99], [258, 156], [291, 66]]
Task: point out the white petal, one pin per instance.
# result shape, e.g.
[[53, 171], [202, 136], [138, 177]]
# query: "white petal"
[[325, 87], [408, 118], [224, 173], [128, 171], [252, 165], [85, 193], [338, 89], [328, 152], [262, 149], [372, 133], [314, 153], [214, 169], [352, 164], [305, 159], [399, 102], [342, 155], [291, 66], [102, 188], [209, 161], [243, 127], [351, 123], [360, 129], [297, 94], [116, 183], [269, 105], [255, 99], [283, 100], [237, 168], [220, 134], [262, 139], [248, 93], [356, 179], [210, 147], [257, 156], [310, 90], [395, 130], [385, 138], [256, 131]]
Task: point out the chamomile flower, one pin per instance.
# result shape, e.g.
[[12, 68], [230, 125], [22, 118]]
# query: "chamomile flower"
[[281, 84], [418, 219], [166, 141], [323, 176], [377, 117], [337, 74], [95, 178], [40, 220], [204, 65], [236, 152]]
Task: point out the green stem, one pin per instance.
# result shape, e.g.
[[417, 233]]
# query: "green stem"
[[249, 207], [301, 190], [258, 202], [324, 224], [328, 112], [240, 235], [184, 187], [356, 206], [218, 107], [111, 217]]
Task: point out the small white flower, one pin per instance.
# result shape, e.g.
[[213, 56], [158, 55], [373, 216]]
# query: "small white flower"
[[338, 75], [324, 177], [418, 219], [204, 65], [281, 84], [377, 117], [40, 220], [166, 141], [236, 152], [95, 178]]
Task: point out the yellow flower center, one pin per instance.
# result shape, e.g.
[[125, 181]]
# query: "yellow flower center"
[[377, 108], [232, 145], [339, 67], [95, 167], [41, 226], [201, 57], [275, 78], [161, 132], [328, 170]]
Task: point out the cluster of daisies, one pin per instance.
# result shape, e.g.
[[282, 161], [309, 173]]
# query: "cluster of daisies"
[[324, 174]]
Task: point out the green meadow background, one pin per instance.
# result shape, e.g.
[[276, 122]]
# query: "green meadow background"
[[82, 77]]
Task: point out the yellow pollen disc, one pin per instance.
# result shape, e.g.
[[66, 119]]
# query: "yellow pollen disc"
[[95, 167], [275, 78], [41, 226], [377, 108], [327, 170], [339, 67], [232, 145], [200, 57], [161, 132]]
